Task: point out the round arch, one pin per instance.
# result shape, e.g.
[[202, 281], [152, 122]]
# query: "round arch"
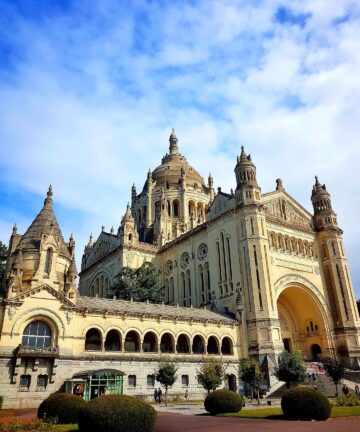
[[213, 345], [150, 341], [132, 341], [167, 343], [183, 344], [43, 314], [198, 344], [298, 305]]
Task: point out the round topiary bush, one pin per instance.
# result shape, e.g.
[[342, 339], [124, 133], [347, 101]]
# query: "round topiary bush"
[[305, 403], [223, 401], [117, 413], [64, 406]]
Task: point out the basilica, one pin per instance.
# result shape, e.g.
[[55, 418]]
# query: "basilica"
[[244, 274]]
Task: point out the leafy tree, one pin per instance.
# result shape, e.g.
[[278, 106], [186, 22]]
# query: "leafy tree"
[[290, 368], [3, 257], [211, 374], [166, 374], [334, 369], [139, 284], [250, 372]]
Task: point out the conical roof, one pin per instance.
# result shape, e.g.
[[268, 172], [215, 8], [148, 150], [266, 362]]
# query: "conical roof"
[[44, 223]]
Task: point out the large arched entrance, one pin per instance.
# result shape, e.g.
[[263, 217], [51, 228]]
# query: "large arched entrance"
[[302, 322]]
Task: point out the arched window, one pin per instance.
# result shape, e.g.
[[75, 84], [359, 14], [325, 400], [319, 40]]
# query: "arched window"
[[182, 345], [48, 260], [93, 340], [37, 334], [212, 345], [166, 344], [176, 208], [198, 345], [132, 342], [150, 342], [113, 341], [226, 346]]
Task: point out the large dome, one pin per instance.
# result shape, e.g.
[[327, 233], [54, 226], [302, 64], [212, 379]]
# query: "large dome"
[[172, 164]]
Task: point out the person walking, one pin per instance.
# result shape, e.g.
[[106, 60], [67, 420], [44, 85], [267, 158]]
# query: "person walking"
[[357, 391], [155, 395], [159, 394], [345, 390], [186, 395]]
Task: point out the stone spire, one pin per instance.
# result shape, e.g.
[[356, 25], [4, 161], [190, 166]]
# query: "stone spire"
[[44, 223], [173, 149], [128, 217], [247, 189], [324, 215]]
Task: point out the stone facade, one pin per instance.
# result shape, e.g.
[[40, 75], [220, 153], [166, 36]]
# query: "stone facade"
[[244, 274]]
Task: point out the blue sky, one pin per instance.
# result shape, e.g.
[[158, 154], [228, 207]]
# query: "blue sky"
[[89, 91]]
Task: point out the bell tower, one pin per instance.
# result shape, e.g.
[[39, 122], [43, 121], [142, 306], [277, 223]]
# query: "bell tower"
[[247, 190], [337, 276], [259, 316]]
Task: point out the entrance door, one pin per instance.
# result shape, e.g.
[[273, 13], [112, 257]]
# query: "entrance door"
[[287, 344], [315, 352], [231, 382]]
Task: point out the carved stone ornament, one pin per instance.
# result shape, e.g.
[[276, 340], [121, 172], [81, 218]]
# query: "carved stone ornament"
[[69, 316], [11, 311], [203, 252], [169, 266], [184, 260]]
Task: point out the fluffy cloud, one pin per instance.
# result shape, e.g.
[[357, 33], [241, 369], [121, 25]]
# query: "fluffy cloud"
[[89, 93]]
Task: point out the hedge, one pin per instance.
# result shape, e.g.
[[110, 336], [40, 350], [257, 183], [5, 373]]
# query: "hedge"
[[63, 406], [305, 403], [117, 413], [223, 401]]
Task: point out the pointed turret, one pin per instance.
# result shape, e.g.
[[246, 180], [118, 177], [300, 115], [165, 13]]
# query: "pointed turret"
[[324, 216], [71, 276], [211, 187], [247, 189], [173, 140], [133, 196], [128, 217], [44, 224]]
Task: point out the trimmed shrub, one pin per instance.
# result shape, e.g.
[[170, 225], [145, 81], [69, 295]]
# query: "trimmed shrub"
[[223, 401], [305, 403], [117, 413], [349, 400], [62, 406]]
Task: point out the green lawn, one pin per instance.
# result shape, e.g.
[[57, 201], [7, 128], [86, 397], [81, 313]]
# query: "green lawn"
[[276, 412], [66, 428]]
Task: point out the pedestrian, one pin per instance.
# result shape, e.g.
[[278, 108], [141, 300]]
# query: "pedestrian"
[[313, 376], [357, 391], [186, 395], [159, 394], [345, 390], [155, 396]]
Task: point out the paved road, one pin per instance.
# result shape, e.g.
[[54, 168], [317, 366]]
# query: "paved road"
[[169, 422]]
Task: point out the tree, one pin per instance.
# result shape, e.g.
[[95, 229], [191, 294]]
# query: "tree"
[[290, 368], [334, 369], [139, 284], [250, 372], [166, 374], [3, 257], [211, 374]]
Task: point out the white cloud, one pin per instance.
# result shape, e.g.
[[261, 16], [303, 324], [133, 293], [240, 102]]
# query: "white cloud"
[[89, 103]]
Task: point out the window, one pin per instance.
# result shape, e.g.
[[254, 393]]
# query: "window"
[[42, 381], [37, 334], [25, 381], [48, 260], [185, 380], [132, 380], [150, 380]]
